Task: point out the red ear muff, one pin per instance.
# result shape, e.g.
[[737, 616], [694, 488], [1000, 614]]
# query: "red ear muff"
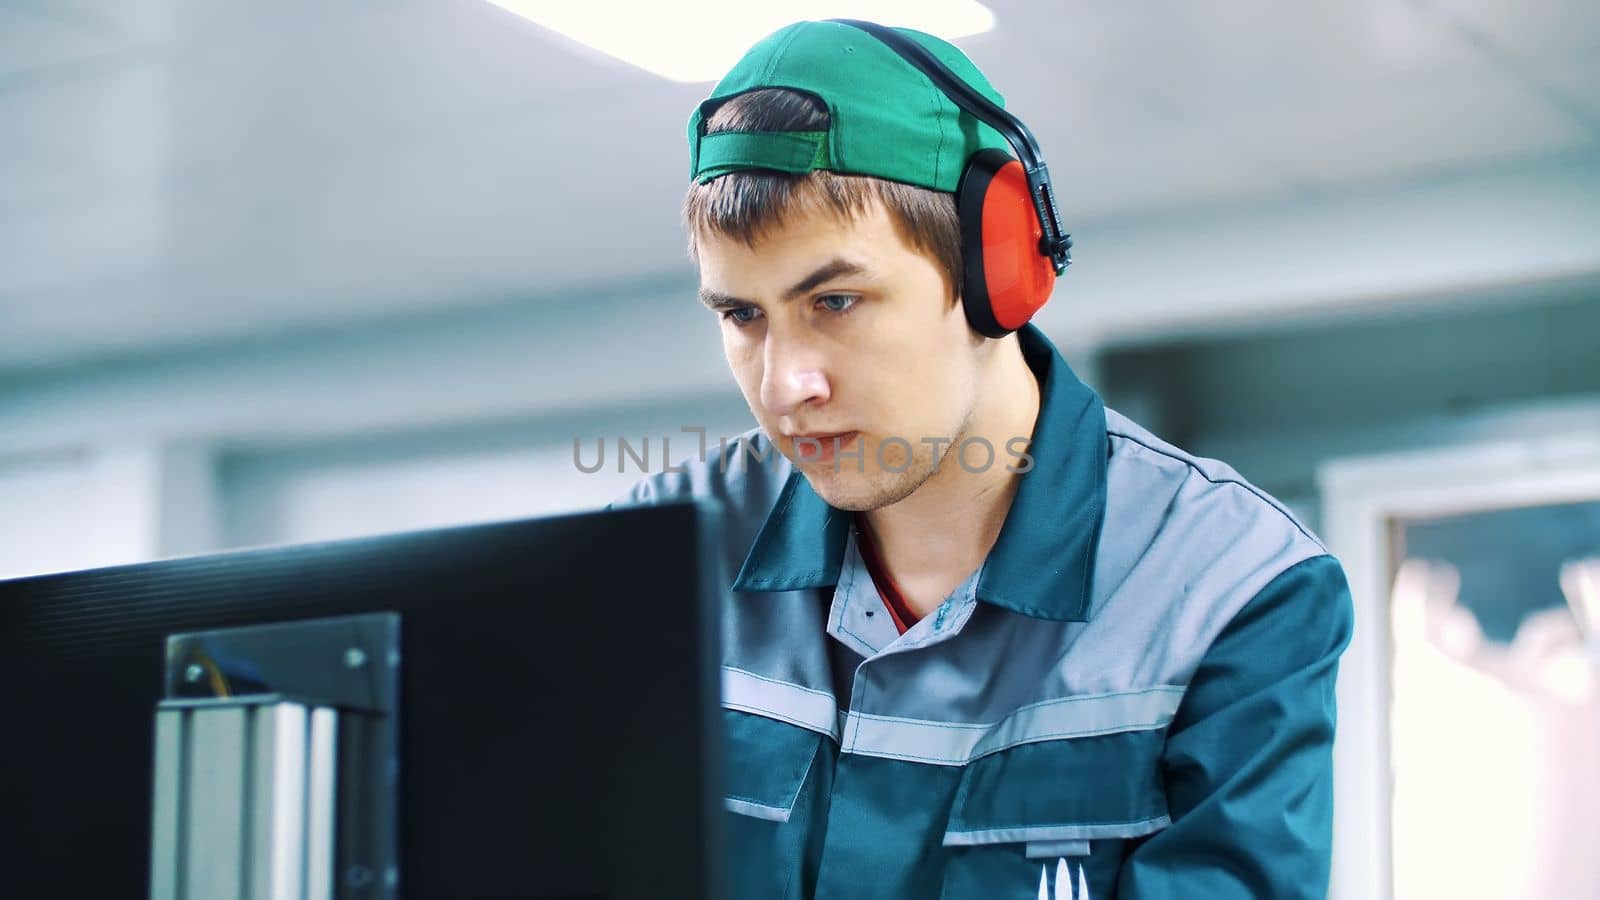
[[1007, 278]]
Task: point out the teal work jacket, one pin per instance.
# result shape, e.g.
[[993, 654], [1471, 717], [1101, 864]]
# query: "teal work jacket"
[[1131, 699]]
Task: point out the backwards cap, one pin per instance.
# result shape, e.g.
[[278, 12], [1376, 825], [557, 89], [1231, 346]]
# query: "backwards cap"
[[886, 118]]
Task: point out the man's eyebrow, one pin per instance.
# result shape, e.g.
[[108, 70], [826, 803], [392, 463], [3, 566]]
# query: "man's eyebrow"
[[829, 270], [833, 268], [717, 301]]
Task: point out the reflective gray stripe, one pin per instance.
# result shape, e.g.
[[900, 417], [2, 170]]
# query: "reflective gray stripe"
[[1083, 717], [792, 703], [756, 810], [958, 743], [939, 743], [1053, 849], [1036, 833]]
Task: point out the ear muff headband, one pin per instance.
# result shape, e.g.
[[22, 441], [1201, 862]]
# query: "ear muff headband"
[[1054, 242]]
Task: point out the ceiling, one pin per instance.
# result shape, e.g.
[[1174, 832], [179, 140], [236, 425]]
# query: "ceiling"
[[177, 172]]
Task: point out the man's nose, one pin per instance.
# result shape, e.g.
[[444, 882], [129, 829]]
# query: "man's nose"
[[793, 377]]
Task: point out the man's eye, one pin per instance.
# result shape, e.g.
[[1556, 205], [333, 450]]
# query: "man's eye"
[[741, 315], [838, 302]]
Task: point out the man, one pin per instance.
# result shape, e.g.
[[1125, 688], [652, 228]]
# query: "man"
[[984, 638]]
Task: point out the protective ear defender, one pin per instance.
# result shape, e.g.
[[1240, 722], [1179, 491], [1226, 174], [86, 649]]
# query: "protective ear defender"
[[1012, 243], [1006, 278]]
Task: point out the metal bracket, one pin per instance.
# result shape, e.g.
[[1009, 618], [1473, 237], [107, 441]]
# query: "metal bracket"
[[276, 772]]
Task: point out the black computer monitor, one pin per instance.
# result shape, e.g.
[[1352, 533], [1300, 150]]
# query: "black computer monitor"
[[558, 729]]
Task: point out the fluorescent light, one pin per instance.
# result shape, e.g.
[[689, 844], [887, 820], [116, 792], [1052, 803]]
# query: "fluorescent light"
[[701, 41]]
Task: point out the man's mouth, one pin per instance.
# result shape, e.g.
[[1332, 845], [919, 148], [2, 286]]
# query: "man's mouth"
[[821, 447]]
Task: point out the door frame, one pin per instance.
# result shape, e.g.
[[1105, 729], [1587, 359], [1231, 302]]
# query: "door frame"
[[1362, 498]]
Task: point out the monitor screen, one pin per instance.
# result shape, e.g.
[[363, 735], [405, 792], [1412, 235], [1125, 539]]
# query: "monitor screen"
[[558, 717]]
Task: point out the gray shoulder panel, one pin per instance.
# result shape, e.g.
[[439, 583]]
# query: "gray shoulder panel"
[[1120, 427], [1187, 542]]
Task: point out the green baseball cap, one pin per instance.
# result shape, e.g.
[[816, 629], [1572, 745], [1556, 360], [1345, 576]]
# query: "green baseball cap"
[[886, 118]]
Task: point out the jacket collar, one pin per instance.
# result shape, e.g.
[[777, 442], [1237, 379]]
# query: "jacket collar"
[[1043, 560]]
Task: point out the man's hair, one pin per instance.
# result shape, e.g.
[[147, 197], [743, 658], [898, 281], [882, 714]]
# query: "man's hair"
[[748, 205]]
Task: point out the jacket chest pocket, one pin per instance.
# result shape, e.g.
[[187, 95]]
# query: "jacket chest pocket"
[[771, 791], [1052, 819]]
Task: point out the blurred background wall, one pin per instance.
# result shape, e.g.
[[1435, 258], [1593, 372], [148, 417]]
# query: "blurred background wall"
[[276, 272]]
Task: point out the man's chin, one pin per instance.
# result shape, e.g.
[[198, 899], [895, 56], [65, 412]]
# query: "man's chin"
[[847, 489], [840, 488]]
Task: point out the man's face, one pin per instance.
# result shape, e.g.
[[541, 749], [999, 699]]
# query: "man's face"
[[834, 326]]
